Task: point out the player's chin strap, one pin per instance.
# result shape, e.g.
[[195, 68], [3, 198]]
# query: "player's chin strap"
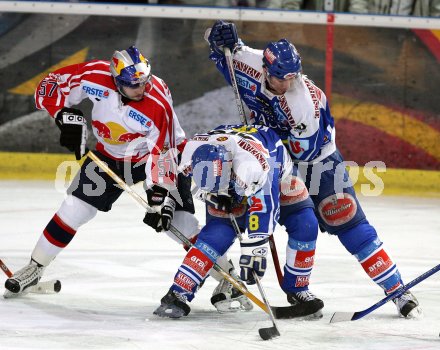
[[240, 107], [241, 287]]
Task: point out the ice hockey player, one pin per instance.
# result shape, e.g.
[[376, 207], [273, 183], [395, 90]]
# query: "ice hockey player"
[[237, 170], [280, 96], [137, 134]]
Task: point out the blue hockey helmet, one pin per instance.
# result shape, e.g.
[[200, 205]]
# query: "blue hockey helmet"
[[281, 59], [211, 167], [130, 68]]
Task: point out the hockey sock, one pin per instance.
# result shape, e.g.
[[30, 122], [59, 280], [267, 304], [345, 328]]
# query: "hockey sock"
[[61, 229], [55, 237], [378, 265], [300, 257], [224, 263], [186, 223], [302, 227], [192, 272]]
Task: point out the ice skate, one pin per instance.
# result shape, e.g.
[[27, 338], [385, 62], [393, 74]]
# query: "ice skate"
[[308, 304], [23, 279], [172, 305], [227, 298], [408, 305]]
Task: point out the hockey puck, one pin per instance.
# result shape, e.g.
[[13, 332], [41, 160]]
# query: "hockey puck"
[[57, 286]]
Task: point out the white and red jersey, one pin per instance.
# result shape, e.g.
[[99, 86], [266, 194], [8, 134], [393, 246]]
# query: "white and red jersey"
[[126, 130]]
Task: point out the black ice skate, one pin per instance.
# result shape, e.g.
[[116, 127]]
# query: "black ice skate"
[[172, 305], [407, 305], [307, 304], [24, 278]]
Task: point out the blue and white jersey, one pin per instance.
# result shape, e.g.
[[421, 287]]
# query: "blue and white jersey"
[[301, 117], [259, 163]]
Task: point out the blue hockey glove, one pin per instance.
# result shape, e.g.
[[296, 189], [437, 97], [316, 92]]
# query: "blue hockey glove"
[[253, 258], [160, 200], [223, 34]]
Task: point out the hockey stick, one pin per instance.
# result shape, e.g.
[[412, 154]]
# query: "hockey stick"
[[269, 332], [353, 316], [5, 269], [276, 261], [242, 114], [46, 287], [238, 100], [175, 231]]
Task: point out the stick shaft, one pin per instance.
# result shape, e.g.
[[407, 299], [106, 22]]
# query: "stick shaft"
[[5, 269], [397, 293], [276, 261], [238, 101], [257, 280], [353, 316]]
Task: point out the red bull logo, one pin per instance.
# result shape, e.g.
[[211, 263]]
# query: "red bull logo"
[[118, 65], [137, 74], [114, 133]]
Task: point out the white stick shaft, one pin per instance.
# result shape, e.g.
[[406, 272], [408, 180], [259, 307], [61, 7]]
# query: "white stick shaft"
[[238, 101]]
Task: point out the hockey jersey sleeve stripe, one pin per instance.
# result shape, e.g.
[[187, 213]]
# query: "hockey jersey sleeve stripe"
[[77, 78], [167, 110]]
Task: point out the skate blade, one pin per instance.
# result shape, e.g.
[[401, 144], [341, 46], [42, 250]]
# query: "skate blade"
[[230, 306], [312, 317], [10, 295], [415, 313], [169, 312]]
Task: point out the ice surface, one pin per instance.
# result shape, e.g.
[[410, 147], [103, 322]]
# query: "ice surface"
[[116, 270]]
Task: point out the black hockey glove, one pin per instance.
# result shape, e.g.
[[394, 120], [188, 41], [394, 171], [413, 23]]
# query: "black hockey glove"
[[220, 202], [160, 200], [223, 202], [223, 34], [253, 258], [73, 128]]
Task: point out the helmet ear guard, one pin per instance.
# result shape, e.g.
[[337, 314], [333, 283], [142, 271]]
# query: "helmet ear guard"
[[281, 59]]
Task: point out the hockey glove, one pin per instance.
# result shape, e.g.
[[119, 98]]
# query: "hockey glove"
[[160, 200], [223, 34], [253, 258], [219, 202], [73, 128]]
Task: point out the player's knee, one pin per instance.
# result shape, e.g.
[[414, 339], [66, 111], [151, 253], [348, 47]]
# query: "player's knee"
[[293, 190], [186, 223], [359, 237], [337, 209], [74, 212], [217, 235], [302, 225]]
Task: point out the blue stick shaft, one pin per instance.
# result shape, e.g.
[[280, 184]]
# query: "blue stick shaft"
[[398, 293]]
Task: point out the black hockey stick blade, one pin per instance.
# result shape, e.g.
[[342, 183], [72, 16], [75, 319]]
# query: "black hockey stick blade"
[[295, 311], [46, 287], [269, 333]]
